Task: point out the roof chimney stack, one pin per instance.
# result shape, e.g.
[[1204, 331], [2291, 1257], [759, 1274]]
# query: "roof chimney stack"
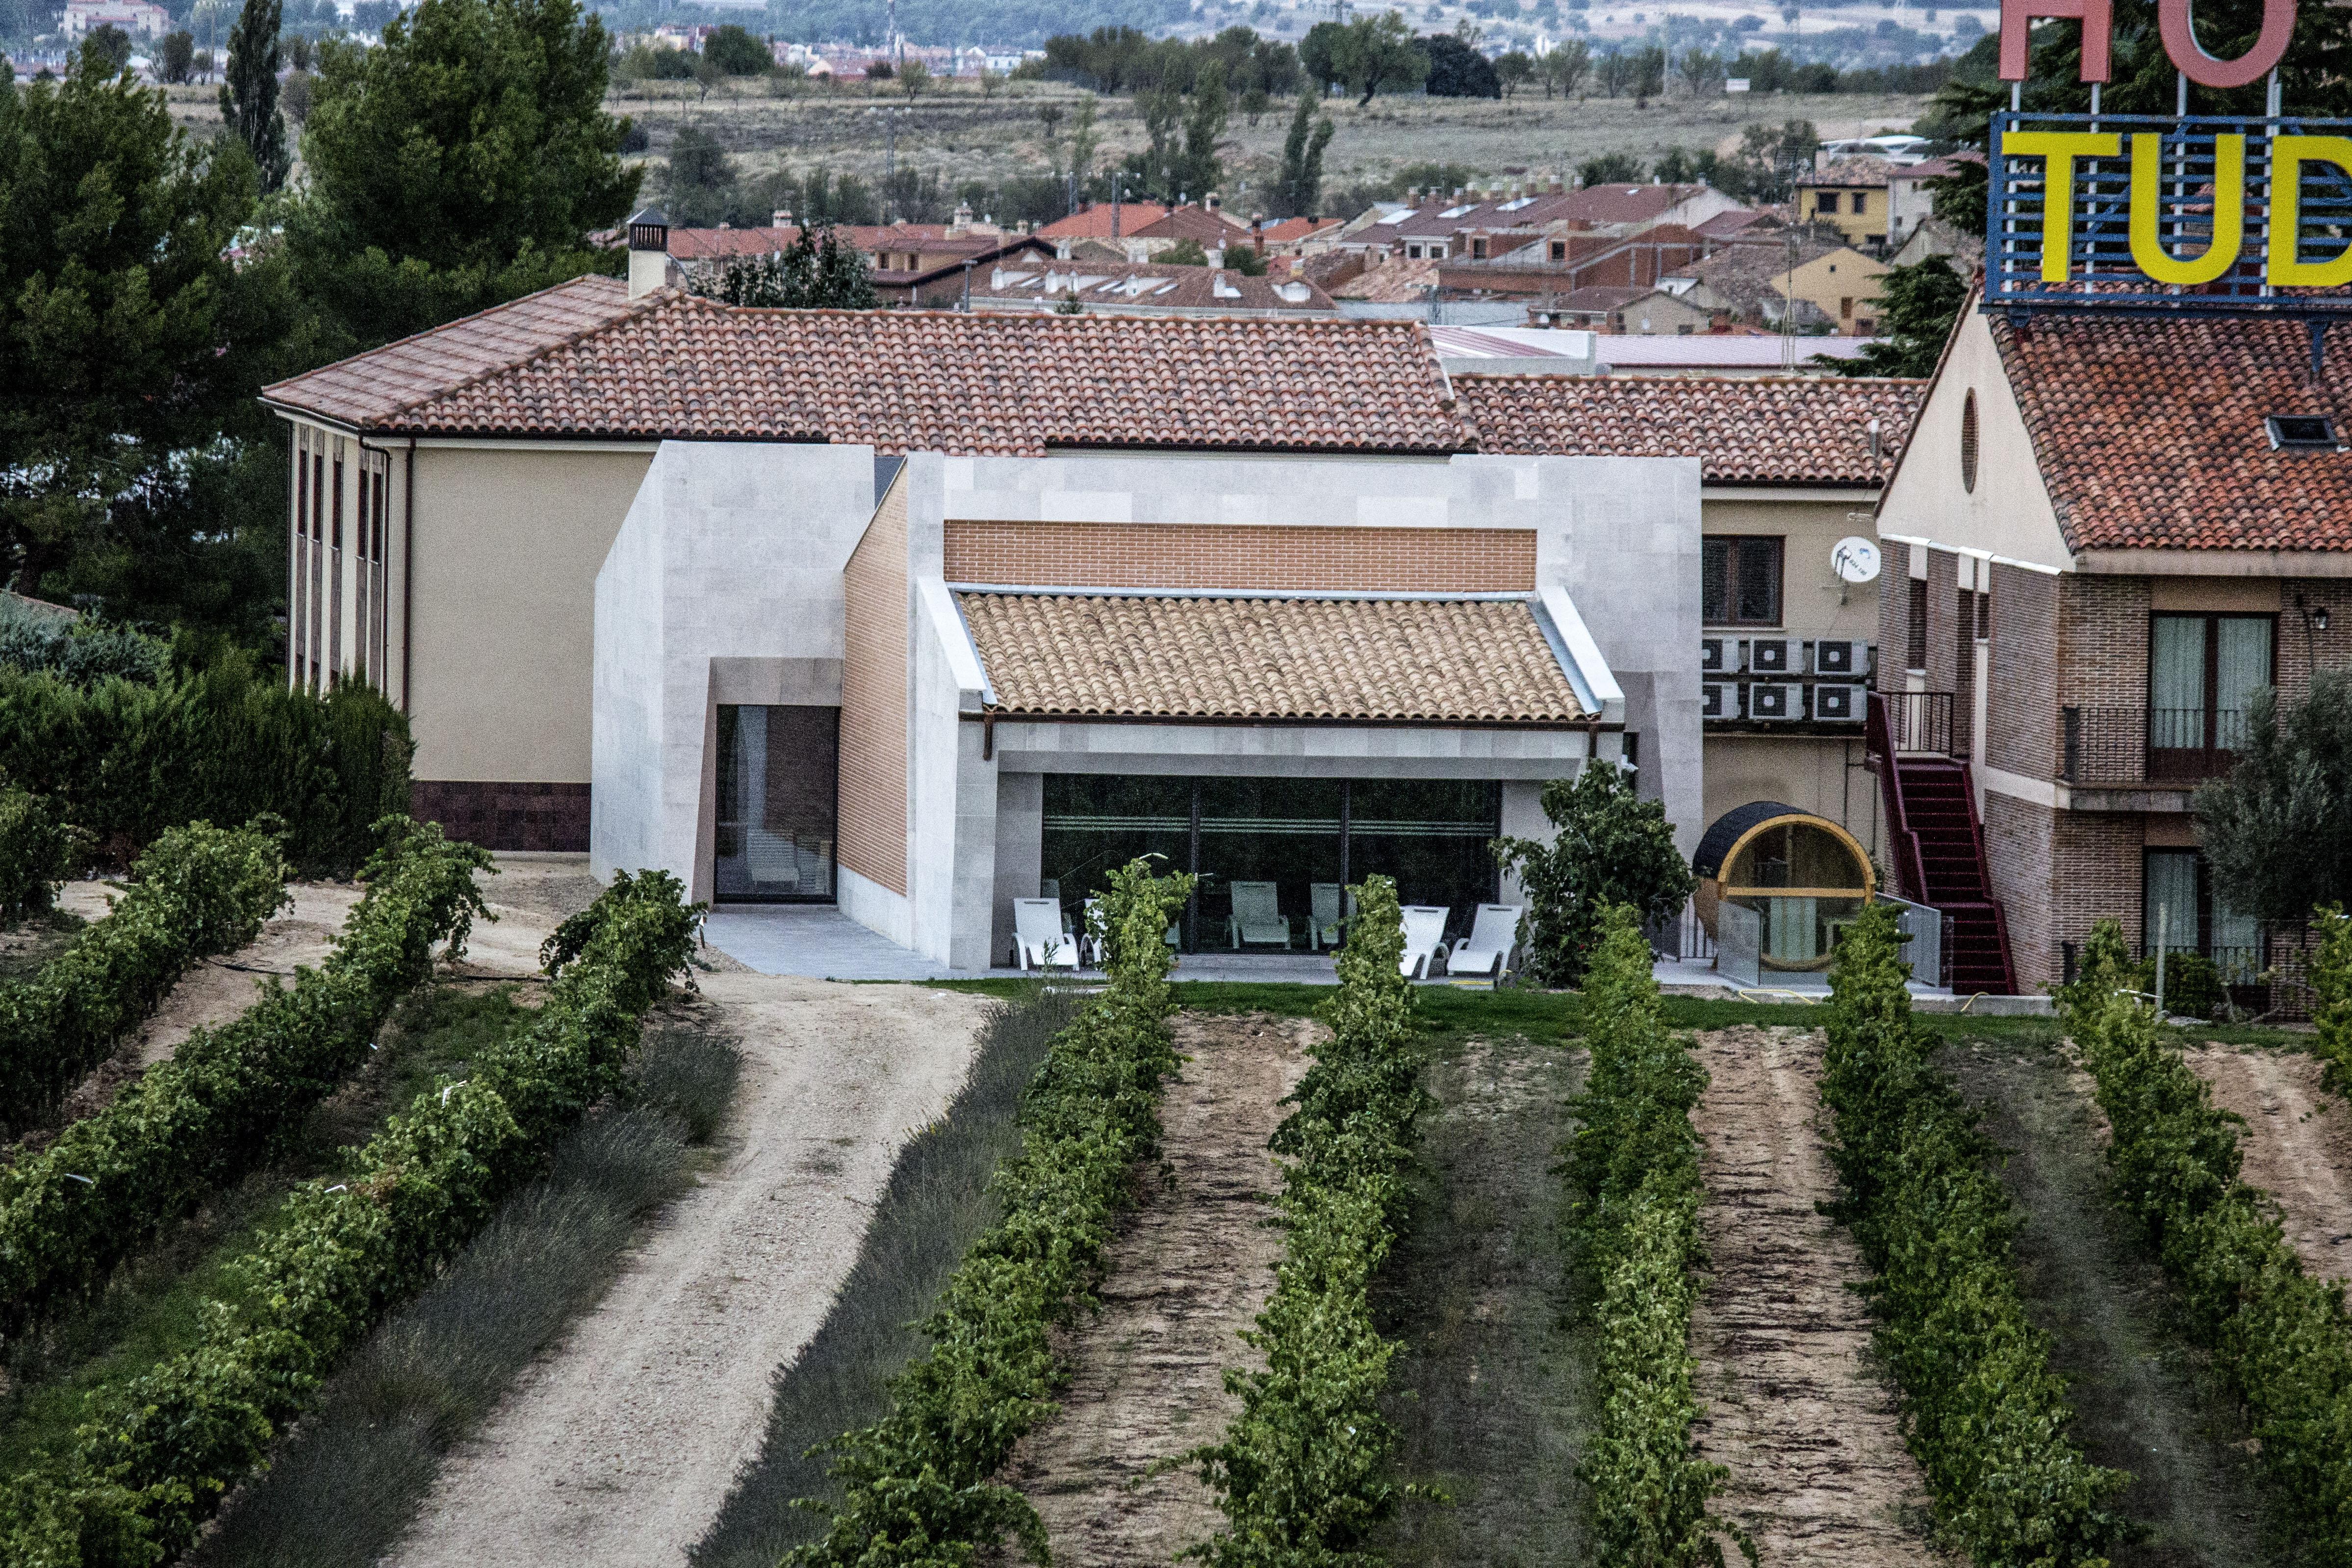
[[648, 252], [783, 218]]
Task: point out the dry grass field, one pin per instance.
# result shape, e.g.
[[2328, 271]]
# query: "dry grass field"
[[962, 136]]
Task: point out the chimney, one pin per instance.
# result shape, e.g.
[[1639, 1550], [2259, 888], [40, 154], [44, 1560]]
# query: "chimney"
[[783, 218], [1212, 201], [648, 252], [1559, 186]]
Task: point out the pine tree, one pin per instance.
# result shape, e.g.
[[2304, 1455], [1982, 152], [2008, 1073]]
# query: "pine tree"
[[248, 97]]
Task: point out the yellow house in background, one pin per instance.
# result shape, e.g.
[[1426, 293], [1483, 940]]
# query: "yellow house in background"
[[1851, 196], [1842, 284]]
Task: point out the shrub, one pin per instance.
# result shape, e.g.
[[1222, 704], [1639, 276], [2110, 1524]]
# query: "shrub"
[[150, 1470], [200, 890], [2331, 986], [1983, 1412], [1634, 1188], [2280, 1338], [211, 1113], [127, 760], [1301, 1473], [36, 854], [80, 650], [1607, 847], [919, 1486]]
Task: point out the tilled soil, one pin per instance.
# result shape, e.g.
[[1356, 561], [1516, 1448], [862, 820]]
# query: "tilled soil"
[[1792, 1407], [2297, 1146], [1190, 1272], [619, 1445]]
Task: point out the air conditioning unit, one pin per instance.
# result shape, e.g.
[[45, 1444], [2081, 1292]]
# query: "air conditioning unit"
[[1770, 702], [1711, 654], [1715, 698], [1839, 656], [1838, 702], [1768, 656]]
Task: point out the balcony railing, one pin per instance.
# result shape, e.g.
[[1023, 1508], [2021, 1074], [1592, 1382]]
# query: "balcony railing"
[[2165, 747], [2268, 981], [1919, 721]]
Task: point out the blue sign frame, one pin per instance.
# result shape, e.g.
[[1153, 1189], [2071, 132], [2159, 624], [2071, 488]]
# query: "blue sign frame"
[[2100, 272]]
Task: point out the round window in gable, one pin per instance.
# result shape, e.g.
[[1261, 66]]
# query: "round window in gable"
[[1969, 442]]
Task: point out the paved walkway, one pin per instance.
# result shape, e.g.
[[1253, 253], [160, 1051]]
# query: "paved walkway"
[[815, 941]]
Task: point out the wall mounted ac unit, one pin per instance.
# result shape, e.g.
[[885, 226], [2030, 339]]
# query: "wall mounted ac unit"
[[1770, 702], [1838, 702], [1839, 656], [1768, 656], [1714, 699], [1711, 654]]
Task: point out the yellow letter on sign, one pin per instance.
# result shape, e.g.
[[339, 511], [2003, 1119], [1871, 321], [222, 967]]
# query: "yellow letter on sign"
[[2060, 148], [2288, 155], [2228, 211]]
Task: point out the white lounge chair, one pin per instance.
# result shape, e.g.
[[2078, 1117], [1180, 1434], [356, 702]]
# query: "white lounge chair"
[[1257, 915], [1487, 949], [1090, 943], [1323, 917], [1038, 939], [1424, 940]]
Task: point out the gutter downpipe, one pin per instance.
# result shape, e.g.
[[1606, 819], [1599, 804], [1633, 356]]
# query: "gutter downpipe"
[[407, 570]]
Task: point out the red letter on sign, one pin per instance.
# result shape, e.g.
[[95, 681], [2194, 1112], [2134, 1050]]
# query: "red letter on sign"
[[2097, 16], [2181, 43]]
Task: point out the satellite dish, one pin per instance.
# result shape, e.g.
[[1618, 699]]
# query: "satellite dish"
[[1855, 559]]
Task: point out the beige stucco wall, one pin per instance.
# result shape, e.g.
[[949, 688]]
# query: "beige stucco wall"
[[2009, 512], [507, 544], [1810, 527], [1824, 776]]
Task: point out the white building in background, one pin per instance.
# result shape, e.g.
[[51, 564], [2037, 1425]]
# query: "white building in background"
[[135, 17]]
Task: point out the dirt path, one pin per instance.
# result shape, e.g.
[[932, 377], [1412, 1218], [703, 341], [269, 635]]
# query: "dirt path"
[[2297, 1145], [619, 1447], [1191, 1271], [1819, 1472]]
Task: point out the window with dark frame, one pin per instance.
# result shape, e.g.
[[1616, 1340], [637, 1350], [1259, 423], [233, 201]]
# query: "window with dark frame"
[[1740, 580], [1915, 655]]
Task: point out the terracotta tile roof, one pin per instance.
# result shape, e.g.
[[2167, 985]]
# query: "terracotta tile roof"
[[1744, 430], [2149, 432], [675, 366], [371, 388], [1848, 172], [1146, 287], [1095, 222], [1426, 660], [1212, 229], [1396, 283], [1290, 231]]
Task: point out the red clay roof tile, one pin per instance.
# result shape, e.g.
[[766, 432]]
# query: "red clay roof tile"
[[1758, 430]]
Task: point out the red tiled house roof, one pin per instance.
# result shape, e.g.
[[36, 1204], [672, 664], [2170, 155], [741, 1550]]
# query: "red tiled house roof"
[[2150, 432], [675, 366], [1764, 430], [1095, 222]]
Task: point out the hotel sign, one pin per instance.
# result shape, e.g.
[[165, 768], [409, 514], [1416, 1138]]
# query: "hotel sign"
[[2188, 214]]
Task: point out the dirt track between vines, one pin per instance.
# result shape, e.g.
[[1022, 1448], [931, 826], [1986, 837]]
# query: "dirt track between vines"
[[619, 1445], [1819, 1472], [2297, 1145], [1190, 1272]]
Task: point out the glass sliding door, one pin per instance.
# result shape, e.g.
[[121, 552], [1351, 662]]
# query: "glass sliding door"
[[1274, 855], [778, 781], [1270, 850], [1432, 836], [2203, 674], [2194, 919]]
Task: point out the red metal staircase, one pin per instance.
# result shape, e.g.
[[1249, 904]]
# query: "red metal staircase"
[[1936, 840]]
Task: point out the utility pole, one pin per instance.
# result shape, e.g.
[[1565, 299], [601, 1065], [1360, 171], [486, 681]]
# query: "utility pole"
[[897, 49], [890, 163]]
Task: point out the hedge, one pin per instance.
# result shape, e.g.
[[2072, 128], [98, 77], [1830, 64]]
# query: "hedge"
[[199, 890], [1301, 1474], [36, 852], [70, 1213], [2278, 1337], [1634, 1177], [919, 1486], [1983, 1412], [150, 1468], [127, 760]]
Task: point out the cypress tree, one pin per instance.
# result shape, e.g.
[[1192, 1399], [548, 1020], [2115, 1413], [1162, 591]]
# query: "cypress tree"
[[249, 96]]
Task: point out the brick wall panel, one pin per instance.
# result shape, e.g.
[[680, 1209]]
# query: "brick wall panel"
[[873, 828], [1211, 555], [2022, 704]]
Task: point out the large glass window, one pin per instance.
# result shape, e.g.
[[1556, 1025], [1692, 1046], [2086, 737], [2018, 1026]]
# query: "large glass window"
[[1273, 856], [2181, 909], [777, 775]]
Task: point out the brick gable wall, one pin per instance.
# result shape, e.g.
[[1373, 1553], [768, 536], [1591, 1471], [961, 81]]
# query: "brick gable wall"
[[873, 827], [1212, 555], [2022, 701]]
